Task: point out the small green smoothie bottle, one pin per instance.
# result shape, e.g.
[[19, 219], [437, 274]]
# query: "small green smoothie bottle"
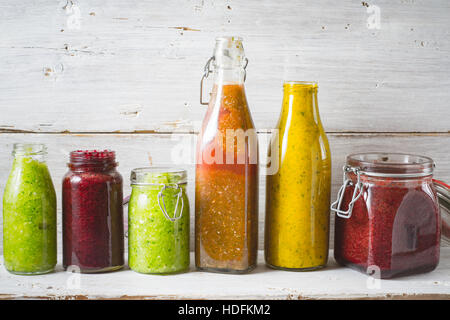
[[29, 213]]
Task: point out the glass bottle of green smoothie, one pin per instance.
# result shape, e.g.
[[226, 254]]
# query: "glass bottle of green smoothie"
[[29, 213], [158, 221]]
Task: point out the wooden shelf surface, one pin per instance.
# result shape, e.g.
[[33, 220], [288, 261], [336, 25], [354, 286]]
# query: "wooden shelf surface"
[[333, 282]]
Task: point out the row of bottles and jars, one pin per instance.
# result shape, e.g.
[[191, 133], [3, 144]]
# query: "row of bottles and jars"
[[92, 215], [387, 218], [387, 209]]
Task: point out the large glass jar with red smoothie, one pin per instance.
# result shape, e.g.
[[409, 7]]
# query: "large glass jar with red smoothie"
[[387, 215], [93, 237]]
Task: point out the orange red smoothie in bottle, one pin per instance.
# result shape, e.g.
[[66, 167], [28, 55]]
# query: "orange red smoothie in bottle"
[[226, 190]]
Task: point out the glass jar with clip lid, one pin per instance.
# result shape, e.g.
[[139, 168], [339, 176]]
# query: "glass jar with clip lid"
[[387, 215], [158, 221]]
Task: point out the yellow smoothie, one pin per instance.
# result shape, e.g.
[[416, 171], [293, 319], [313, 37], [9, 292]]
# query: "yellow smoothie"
[[298, 194]]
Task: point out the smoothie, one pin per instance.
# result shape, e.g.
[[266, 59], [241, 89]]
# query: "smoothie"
[[155, 243], [226, 194], [92, 212], [298, 194], [29, 218]]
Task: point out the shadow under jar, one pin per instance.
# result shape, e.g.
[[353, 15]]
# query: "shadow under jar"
[[387, 215], [93, 239]]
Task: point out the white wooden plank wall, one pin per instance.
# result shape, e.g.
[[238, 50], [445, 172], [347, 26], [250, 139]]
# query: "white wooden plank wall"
[[124, 74]]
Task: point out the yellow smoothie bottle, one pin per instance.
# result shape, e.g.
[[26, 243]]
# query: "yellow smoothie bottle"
[[298, 193]]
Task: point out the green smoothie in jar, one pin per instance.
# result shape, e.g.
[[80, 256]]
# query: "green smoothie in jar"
[[29, 213], [158, 221]]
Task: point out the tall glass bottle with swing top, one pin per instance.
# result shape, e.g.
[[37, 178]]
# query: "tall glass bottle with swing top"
[[226, 186]]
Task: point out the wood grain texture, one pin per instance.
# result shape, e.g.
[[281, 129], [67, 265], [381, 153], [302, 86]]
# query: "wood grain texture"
[[137, 150], [124, 74], [333, 282], [135, 65]]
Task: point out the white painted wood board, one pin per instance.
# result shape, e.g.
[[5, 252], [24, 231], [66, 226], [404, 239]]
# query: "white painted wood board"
[[131, 65], [135, 150], [332, 282], [134, 66]]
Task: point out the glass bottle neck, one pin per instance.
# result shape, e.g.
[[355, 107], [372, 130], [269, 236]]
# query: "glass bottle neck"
[[41, 157], [34, 151], [300, 99], [224, 76]]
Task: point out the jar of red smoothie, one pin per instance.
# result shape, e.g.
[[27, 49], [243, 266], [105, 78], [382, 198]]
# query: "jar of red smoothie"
[[93, 238], [387, 215]]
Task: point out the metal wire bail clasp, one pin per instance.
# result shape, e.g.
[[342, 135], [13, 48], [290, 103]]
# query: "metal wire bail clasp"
[[163, 206], [207, 71], [245, 68], [357, 192]]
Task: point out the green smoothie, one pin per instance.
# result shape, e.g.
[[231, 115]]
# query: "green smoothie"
[[29, 218], [155, 243]]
